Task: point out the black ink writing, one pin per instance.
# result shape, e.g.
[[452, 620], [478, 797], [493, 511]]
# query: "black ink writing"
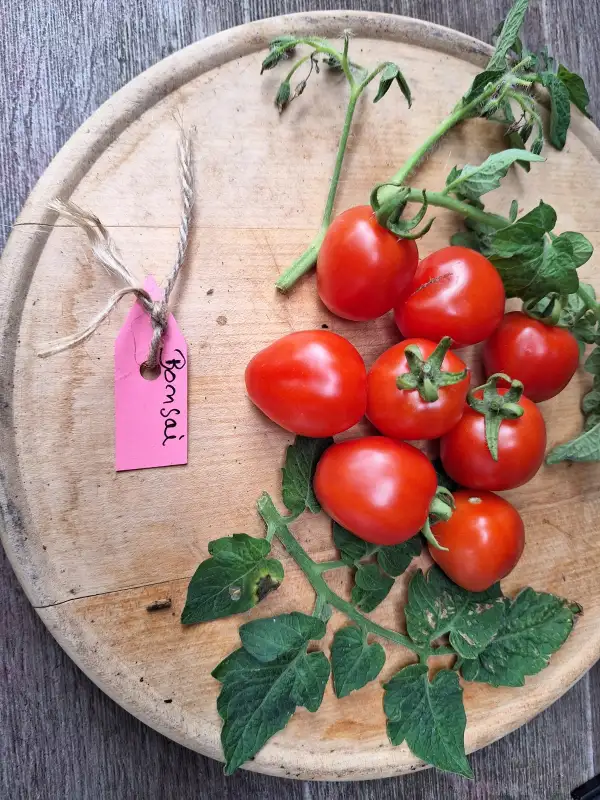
[[170, 368]]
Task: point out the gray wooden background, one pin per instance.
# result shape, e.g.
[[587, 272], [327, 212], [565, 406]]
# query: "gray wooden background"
[[60, 737]]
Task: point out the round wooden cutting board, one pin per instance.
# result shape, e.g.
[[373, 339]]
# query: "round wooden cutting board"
[[93, 548]]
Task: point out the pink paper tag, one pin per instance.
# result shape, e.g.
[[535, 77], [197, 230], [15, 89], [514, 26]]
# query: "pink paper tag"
[[150, 415]]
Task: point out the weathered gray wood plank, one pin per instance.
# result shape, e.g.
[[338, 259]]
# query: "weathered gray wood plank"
[[61, 737]]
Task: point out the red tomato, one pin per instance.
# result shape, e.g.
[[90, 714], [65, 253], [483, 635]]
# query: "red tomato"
[[543, 357], [521, 445], [485, 537], [376, 487], [455, 292], [403, 413], [312, 382], [362, 268]]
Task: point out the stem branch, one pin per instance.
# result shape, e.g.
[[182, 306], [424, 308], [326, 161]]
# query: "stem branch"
[[325, 594]]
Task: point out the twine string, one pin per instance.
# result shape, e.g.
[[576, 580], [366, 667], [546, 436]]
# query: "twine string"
[[107, 254]]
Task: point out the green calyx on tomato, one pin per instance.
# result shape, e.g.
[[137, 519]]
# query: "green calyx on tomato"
[[496, 407], [441, 509], [389, 211], [426, 374], [549, 310]]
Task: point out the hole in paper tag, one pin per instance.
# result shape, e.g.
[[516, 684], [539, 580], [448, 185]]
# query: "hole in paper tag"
[[149, 373]]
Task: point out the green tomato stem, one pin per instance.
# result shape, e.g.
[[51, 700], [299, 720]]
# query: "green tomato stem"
[[307, 260], [325, 566], [452, 204], [297, 66], [313, 570], [411, 163], [589, 302]]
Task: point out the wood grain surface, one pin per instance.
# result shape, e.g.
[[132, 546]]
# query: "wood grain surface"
[[65, 738]]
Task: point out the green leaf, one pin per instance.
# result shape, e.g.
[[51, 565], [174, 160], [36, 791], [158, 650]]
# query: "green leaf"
[[583, 249], [530, 264], [237, 577], [592, 362], [235, 665], [591, 402], [480, 83], [474, 181], [466, 239], [576, 87], [429, 716], [268, 639], [395, 559], [585, 447], [354, 663], [509, 35], [522, 236], [257, 699], [535, 626], [517, 46], [372, 587], [301, 459], [560, 109], [312, 674], [437, 606], [390, 74], [351, 548]]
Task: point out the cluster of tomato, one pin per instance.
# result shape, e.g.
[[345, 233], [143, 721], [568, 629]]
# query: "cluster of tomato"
[[492, 438]]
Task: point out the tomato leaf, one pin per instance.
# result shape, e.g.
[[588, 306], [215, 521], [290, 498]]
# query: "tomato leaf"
[[530, 263], [395, 559], [257, 699], [390, 74], [576, 87], [560, 109], [437, 606], [585, 447], [372, 587], [312, 674], [582, 247], [521, 237], [268, 639], [509, 34], [466, 239], [301, 460], [592, 362], [471, 182], [535, 626], [480, 83], [237, 577], [354, 663], [351, 548], [429, 716]]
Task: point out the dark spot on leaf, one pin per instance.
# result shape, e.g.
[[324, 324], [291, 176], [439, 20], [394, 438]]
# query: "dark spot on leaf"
[[265, 585]]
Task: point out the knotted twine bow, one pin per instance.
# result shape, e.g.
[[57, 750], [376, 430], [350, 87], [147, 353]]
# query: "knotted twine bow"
[[107, 254]]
